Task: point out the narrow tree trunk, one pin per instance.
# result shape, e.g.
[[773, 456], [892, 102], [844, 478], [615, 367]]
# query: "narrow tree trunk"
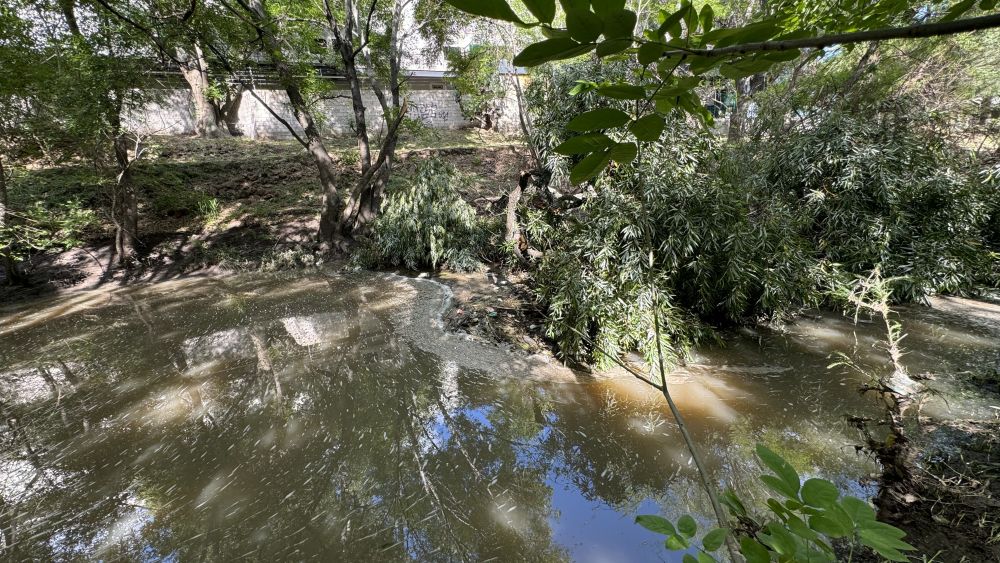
[[9, 267], [12, 272], [124, 206], [513, 228]]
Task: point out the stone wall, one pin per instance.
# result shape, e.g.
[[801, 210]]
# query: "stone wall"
[[172, 114]]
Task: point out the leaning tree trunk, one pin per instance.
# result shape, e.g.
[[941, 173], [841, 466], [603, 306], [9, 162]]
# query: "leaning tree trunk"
[[313, 142]]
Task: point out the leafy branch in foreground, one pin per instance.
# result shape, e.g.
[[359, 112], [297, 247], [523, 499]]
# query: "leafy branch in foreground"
[[683, 47], [803, 520]]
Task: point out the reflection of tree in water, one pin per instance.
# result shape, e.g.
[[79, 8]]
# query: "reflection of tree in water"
[[365, 452]]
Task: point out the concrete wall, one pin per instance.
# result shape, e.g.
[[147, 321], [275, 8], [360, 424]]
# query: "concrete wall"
[[172, 113]]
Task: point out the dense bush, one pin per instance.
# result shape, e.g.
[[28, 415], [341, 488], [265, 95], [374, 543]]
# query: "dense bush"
[[874, 188], [718, 252], [744, 231], [425, 223]]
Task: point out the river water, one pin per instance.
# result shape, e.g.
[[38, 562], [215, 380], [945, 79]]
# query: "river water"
[[329, 417]]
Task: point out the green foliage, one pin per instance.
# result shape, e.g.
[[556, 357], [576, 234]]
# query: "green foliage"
[[667, 51], [42, 227], [718, 253], [555, 97], [480, 87], [802, 521], [876, 189], [425, 223]]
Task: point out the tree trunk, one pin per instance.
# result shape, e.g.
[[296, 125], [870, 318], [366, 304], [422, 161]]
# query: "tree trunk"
[[313, 142], [230, 111], [124, 207], [194, 68], [365, 201]]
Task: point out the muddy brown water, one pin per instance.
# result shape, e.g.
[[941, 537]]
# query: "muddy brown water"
[[325, 417]]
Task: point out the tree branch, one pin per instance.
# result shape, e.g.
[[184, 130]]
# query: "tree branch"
[[909, 32]]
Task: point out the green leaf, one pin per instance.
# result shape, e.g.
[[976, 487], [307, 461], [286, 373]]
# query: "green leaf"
[[606, 7], [622, 91], [779, 539], [672, 23], [688, 558], [886, 541], [675, 86], [656, 524], [493, 9], [575, 5], [759, 31], [799, 528], [649, 128], [707, 18], [584, 26], [666, 105], [584, 144], [706, 558], [613, 47], [677, 543], [859, 511], [624, 153], [733, 503], [779, 486], [619, 24], [601, 118], [685, 524], [782, 56], [714, 539], [753, 551], [650, 52], [544, 10], [958, 9], [819, 493], [781, 468], [745, 67], [589, 167], [551, 50], [829, 526], [701, 65]]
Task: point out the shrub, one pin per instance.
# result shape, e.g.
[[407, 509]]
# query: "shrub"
[[718, 253], [425, 223], [875, 189], [42, 227]]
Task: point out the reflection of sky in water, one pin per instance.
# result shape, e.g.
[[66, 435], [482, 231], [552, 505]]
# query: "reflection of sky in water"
[[310, 418]]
